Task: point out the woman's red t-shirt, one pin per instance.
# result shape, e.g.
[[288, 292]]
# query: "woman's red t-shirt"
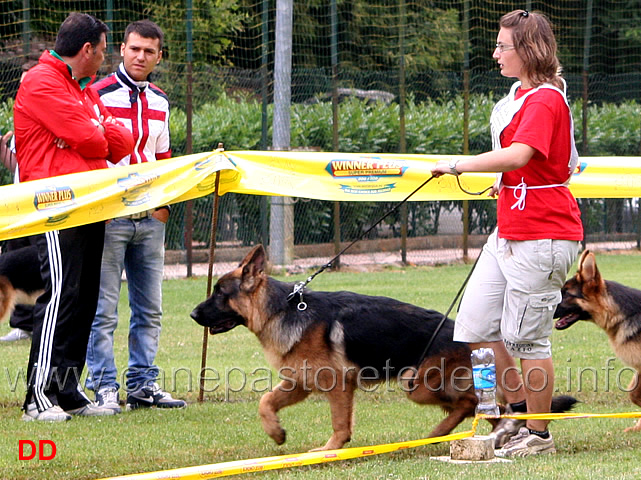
[[543, 122]]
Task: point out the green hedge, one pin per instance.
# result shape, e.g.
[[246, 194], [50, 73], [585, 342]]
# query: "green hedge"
[[432, 127]]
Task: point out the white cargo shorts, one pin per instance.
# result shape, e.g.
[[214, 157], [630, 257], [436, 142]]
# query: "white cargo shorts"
[[513, 292]]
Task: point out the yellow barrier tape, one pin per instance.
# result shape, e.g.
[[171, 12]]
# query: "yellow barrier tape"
[[568, 415], [77, 199], [391, 177], [80, 198], [238, 467], [286, 461]]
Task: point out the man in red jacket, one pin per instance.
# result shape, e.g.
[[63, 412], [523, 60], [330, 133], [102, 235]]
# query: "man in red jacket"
[[62, 127]]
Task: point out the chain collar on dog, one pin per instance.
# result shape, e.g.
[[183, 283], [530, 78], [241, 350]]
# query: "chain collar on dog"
[[300, 286]]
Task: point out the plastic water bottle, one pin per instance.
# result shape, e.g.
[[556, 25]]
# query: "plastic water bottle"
[[484, 374]]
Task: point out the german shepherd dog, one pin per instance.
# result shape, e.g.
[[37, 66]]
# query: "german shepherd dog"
[[613, 307], [337, 342], [20, 280]]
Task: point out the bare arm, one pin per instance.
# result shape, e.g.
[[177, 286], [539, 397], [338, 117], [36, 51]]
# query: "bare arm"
[[506, 159]]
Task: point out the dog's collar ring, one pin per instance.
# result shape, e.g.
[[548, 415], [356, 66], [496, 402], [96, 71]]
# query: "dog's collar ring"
[[299, 288]]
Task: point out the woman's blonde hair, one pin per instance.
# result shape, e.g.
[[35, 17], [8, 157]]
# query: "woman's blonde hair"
[[534, 41]]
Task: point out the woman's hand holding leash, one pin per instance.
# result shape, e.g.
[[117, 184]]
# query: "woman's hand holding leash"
[[494, 189], [451, 167], [442, 167]]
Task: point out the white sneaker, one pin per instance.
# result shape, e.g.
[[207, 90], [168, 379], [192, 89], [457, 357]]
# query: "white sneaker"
[[51, 414], [91, 410], [524, 444], [107, 397], [16, 334], [506, 429]]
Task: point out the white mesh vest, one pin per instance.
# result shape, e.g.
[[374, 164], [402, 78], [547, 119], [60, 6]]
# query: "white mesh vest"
[[502, 115]]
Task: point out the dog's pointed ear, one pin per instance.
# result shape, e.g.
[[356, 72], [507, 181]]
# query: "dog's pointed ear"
[[253, 267], [588, 270]]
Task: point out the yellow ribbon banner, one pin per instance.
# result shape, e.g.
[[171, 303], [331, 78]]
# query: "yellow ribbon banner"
[[81, 198], [71, 200], [310, 458], [392, 177]]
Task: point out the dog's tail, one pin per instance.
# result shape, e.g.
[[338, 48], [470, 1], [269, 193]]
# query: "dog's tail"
[[563, 403], [7, 298]]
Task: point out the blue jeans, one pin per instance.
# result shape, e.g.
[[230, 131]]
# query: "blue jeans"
[[138, 247]]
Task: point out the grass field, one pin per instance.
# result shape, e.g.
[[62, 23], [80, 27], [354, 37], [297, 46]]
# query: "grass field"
[[226, 426]]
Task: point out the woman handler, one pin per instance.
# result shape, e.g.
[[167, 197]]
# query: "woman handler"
[[511, 297]]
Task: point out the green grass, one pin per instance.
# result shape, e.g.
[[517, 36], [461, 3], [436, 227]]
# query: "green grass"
[[226, 426]]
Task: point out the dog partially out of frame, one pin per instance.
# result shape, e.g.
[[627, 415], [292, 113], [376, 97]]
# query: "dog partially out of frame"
[[338, 342], [613, 307], [20, 279]]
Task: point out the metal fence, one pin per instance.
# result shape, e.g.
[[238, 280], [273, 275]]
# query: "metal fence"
[[385, 54]]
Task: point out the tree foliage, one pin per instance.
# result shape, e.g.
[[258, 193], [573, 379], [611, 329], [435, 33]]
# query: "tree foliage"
[[213, 24]]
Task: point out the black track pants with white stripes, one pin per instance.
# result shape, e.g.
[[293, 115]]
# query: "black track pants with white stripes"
[[70, 262]]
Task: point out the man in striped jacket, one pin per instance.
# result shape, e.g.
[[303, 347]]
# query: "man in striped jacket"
[[134, 243]]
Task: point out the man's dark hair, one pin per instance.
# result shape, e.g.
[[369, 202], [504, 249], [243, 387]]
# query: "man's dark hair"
[[146, 29], [76, 30]]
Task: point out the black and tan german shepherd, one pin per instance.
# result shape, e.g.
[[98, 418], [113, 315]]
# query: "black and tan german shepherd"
[[20, 279], [613, 307], [339, 341]]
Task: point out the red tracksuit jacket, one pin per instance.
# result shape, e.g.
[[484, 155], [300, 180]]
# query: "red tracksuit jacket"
[[51, 105]]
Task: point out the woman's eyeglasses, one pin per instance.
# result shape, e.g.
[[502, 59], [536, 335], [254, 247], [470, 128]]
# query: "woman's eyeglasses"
[[502, 47]]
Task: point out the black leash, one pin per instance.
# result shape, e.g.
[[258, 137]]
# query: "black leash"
[[458, 181], [446, 314], [456, 298], [300, 286]]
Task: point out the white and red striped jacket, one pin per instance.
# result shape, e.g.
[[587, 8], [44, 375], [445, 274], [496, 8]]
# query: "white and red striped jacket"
[[144, 109]]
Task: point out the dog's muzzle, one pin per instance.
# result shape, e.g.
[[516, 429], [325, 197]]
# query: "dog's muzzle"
[[215, 326]]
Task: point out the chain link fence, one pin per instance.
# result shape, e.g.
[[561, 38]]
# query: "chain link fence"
[[376, 76]]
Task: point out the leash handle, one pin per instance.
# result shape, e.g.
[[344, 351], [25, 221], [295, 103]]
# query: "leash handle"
[[458, 181]]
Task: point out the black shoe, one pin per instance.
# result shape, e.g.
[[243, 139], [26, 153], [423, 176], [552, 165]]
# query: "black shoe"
[[152, 396]]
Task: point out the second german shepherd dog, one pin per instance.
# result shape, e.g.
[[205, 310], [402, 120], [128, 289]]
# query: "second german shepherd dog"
[[20, 280], [613, 307], [339, 341]]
